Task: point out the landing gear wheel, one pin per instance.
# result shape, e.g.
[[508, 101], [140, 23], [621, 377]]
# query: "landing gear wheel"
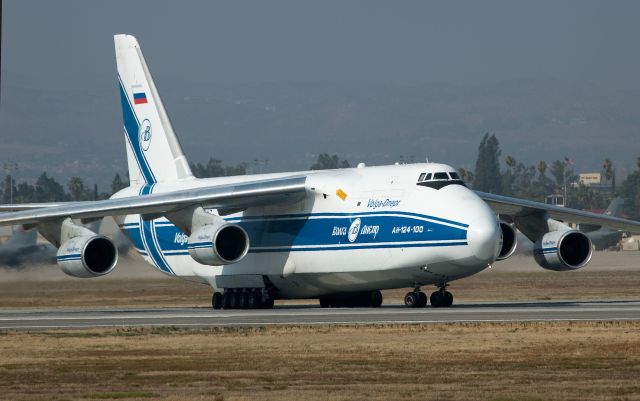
[[375, 299], [436, 299], [253, 299], [233, 300], [422, 300], [226, 300], [441, 299], [242, 300], [448, 299], [411, 300], [216, 300], [268, 303], [324, 302]]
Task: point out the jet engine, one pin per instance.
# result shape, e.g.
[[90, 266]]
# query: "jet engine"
[[509, 241], [220, 243], [562, 250], [87, 256]]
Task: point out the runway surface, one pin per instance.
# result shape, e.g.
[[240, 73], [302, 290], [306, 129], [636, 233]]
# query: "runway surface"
[[313, 315]]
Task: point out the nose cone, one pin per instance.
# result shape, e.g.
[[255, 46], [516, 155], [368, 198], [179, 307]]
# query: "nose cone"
[[483, 236]]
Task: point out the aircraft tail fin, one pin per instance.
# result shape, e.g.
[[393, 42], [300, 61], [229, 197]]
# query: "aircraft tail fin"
[[615, 208], [154, 153]]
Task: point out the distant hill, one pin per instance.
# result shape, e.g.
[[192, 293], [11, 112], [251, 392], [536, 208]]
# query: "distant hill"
[[79, 133]]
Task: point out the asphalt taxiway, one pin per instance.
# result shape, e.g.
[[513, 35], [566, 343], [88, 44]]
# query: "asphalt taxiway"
[[312, 315]]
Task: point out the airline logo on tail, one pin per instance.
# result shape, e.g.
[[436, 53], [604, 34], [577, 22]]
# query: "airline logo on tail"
[[145, 134]]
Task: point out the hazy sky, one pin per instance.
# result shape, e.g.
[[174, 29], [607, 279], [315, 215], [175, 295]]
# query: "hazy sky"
[[69, 43], [61, 52]]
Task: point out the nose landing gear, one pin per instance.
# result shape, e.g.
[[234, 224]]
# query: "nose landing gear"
[[438, 299], [441, 298], [415, 299]]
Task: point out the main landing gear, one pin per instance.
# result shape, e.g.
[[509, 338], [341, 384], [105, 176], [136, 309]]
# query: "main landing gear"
[[242, 298], [438, 299]]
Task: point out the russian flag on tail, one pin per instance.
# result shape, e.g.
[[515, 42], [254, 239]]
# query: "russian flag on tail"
[[139, 96]]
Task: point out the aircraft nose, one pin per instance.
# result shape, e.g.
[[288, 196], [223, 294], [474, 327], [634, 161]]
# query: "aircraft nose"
[[483, 236]]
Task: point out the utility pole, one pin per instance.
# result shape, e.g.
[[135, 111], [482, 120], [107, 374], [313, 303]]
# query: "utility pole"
[[7, 169]]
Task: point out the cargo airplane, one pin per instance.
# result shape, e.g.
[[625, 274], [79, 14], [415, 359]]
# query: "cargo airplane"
[[339, 236]]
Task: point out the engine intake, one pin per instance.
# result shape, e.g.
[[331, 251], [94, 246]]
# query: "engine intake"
[[87, 256], [509, 241], [563, 250], [218, 244]]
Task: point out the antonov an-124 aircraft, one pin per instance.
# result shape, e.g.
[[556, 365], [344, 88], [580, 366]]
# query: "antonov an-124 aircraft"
[[337, 235]]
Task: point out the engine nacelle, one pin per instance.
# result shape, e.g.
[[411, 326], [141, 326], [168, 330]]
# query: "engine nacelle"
[[563, 250], [217, 244], [509, 241], [87, 256]]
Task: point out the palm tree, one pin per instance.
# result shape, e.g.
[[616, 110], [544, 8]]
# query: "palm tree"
[[542, 167], [609, 173]]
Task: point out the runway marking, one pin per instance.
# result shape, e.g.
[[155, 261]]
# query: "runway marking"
[[568, 311]]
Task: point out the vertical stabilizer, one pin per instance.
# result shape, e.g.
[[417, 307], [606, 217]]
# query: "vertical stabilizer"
[[615, 208], [153, 151]]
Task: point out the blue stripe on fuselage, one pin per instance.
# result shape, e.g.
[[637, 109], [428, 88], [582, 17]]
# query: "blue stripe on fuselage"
[[320, 233]]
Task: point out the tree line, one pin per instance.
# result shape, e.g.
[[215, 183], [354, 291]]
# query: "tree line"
[[513, 178], [48, 189], [536, 182]]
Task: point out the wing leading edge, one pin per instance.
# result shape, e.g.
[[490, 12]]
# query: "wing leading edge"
[[521, 208], [231, 196]]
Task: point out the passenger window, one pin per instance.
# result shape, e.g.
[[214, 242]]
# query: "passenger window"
[[454, 175], [440, 176], [421, 177], [428, 177]]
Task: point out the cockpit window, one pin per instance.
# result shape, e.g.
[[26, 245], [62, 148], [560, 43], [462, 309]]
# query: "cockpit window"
[[440, 180]]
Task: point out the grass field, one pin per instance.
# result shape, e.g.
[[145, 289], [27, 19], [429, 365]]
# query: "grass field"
[[515, 361]]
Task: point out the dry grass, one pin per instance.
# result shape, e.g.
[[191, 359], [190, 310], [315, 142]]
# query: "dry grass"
[[514, 361]]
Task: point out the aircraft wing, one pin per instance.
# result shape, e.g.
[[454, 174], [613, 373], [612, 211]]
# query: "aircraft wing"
[[521, 208], [239, 195], [30, 206]]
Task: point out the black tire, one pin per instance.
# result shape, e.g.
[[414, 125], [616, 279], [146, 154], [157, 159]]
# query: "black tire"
[[411, 300], [324, 302], [216, 300], [422, 299], [268, 303], [448, 299], [233, 300], [375, 299], [226, 300], [253, 300], [243, 300], [436, 299]]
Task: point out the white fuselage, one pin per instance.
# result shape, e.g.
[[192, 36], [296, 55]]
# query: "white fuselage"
[[356, 229]]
